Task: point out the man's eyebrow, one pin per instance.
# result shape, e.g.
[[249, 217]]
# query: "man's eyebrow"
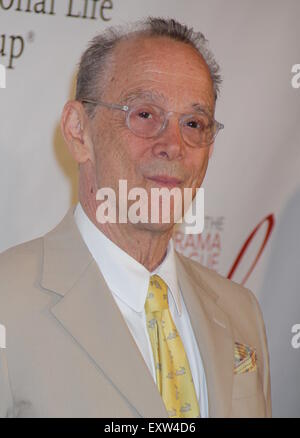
[[202, 108], [155, 96], [143, 94]]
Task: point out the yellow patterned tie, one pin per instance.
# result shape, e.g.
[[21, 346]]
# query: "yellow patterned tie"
[[173, 374]]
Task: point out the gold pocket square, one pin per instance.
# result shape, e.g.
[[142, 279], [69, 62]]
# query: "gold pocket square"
[[244, 358]]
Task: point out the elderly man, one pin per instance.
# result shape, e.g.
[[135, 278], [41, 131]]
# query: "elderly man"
[[106, 319]]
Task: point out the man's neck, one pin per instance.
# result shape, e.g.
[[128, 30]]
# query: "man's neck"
[[145, 245]]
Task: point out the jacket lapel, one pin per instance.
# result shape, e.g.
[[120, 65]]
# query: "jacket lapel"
[[87, 310], [213, 334]]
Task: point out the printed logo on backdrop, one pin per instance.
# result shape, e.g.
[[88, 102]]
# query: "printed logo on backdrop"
[[13, 46], [206, 248]]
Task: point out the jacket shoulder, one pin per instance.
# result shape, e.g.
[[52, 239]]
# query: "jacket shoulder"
[[15, 259], [220, 286], [19, 266]]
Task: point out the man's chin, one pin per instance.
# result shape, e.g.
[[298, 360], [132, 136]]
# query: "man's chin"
[[155, 227]]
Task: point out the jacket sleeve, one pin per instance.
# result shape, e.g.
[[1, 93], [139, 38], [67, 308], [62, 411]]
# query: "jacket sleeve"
[[265, 352], [6, 399]]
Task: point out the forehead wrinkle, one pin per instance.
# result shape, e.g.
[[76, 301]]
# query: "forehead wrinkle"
[[154, 96], [175, 75], [144, 94], [155, 79]]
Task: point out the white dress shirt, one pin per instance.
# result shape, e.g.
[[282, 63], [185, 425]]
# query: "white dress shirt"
[[128, 281]]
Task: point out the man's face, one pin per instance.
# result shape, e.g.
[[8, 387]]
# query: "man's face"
[[169, 74]]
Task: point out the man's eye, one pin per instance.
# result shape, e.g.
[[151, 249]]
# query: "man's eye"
[[145, 115], [195, 124]]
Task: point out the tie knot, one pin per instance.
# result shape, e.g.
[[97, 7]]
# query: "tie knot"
[[157, 296]]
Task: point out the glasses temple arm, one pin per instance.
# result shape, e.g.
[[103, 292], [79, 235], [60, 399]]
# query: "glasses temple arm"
[[107, 105]]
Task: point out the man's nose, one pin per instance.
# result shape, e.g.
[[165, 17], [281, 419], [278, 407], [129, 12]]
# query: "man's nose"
[[169, 145]]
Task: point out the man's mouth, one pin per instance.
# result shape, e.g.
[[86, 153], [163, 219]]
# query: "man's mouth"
[[165, 180]]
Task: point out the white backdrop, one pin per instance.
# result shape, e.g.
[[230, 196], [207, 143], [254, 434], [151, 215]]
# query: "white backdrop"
[[252, 187]]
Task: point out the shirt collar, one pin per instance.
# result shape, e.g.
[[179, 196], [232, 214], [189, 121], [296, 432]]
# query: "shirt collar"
[[132, 281]]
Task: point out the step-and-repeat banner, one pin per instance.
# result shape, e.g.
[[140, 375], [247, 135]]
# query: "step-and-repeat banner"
[[252, 186]]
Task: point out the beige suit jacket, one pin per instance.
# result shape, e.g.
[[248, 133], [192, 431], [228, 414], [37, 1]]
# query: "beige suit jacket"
[[69, 352]]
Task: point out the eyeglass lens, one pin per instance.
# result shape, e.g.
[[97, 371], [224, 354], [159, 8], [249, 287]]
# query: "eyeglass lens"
[[147, 120]]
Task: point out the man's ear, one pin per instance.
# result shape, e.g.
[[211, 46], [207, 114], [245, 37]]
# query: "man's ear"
[[211, 148], [74, 125]]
